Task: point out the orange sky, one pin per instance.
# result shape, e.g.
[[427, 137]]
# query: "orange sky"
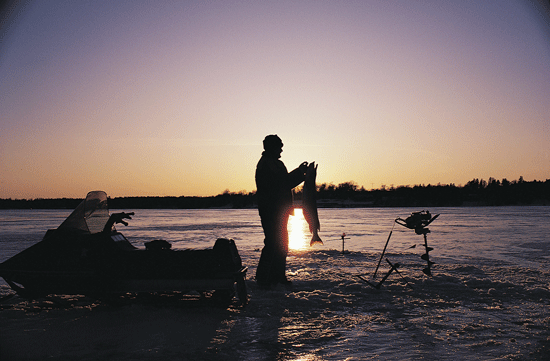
[[175, 98]]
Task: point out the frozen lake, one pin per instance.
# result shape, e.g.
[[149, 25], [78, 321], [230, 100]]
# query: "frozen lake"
[[487, 299]]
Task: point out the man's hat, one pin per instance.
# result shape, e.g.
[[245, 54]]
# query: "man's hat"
[[272, 142]]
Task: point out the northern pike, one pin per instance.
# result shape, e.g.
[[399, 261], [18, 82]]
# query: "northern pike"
[[309, 204]]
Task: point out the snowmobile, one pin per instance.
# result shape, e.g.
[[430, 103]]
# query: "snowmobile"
[[86, 255]]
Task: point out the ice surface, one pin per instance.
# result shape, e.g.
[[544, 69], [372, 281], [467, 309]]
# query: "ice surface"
[[488, 298]]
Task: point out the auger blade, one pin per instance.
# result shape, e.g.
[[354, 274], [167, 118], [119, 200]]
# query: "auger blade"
[[426, 258]]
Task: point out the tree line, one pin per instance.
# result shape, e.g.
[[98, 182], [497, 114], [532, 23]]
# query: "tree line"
[[477, 192]]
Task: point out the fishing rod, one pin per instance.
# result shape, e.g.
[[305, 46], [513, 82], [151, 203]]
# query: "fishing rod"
[[399, 273], [384, 251], [393, 267]]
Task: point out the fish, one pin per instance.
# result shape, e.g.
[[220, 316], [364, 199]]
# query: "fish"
[[309, 204]]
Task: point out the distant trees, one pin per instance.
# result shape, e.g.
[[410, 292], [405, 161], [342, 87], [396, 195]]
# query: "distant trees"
[[348, 194], [495, 192], [227, 199], [476, 192]]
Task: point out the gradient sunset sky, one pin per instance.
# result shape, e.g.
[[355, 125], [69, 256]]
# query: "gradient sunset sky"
[[141, 98]]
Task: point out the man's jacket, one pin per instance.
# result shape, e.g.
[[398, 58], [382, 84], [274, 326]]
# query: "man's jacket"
[[274, 186]]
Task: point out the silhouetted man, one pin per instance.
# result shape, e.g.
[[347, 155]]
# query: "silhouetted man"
[[274, 184]]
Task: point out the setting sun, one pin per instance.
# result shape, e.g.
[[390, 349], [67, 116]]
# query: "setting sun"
[[298, 231]]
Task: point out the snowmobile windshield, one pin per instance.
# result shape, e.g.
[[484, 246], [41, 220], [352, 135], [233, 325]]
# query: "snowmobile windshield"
[[90, 216]]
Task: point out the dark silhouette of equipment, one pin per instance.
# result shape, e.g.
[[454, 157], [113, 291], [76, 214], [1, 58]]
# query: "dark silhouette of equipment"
[[418, 221], [86, 255], [393, 267], [343, 236]]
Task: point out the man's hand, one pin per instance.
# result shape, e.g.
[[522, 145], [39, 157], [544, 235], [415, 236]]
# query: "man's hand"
[[303, 167]]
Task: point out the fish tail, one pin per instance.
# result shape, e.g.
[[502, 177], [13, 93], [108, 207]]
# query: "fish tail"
[[315, 239]]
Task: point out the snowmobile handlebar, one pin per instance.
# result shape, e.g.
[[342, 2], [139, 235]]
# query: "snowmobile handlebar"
[[117, 218]]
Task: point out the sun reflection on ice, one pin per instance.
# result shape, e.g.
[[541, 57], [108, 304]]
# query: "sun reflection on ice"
[[298, 231]]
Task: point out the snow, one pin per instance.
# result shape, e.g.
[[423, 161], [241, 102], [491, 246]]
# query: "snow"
[[487, 304], [465, 311]]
